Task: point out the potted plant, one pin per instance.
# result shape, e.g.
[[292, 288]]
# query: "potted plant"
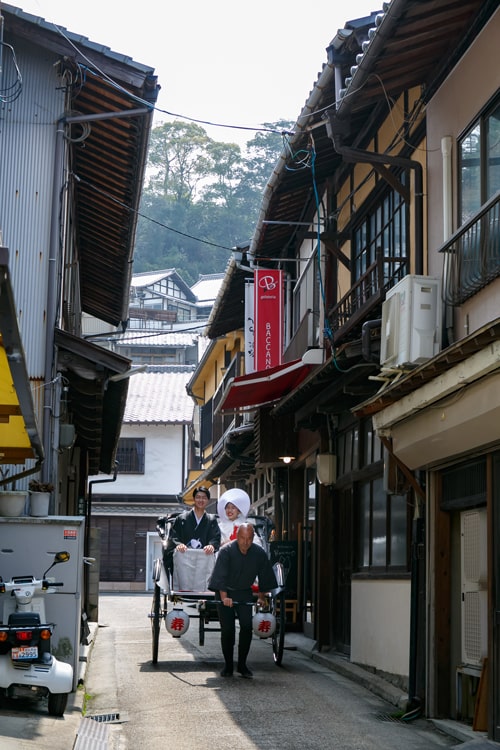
[[40, 497], [12, 501]]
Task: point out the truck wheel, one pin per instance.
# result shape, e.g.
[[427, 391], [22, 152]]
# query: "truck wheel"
[[57, 703]]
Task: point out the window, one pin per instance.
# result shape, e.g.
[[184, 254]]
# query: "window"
[[130, 455], [206, 425], [381, 519], [306, 293], [474, 257], [383, 231], [382, 528], [479, 154]]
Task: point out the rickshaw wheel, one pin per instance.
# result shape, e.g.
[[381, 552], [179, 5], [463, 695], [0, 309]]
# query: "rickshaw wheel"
[[278, 637], [155, 621]]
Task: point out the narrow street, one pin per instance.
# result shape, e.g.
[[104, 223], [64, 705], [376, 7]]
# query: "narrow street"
[[184, 703]]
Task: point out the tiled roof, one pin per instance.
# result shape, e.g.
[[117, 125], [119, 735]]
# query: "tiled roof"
[[207, 287], [159, 398], [156, 338], [147, 278], [149, 510]]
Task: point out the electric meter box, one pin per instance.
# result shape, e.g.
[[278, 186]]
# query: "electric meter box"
[[27, 547]]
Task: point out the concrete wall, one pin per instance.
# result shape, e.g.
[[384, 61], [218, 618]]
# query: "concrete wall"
[[163, 463], [380, 625]]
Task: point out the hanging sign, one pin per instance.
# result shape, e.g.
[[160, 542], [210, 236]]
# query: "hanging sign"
[[249, 328], [268, 324]]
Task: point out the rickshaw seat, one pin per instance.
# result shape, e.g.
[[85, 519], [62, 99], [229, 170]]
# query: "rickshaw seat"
[[192, 570]]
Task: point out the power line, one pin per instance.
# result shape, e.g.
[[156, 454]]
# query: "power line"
[[148, 218]]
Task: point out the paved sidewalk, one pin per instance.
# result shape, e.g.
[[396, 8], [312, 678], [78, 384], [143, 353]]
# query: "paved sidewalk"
[[33, 728], [466, 737]]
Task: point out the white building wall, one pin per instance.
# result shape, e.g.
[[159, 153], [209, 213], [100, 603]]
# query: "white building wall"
[[163, 463], [386, 646]]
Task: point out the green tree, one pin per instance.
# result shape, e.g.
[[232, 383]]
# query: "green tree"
[[177, 160], [201, 197]]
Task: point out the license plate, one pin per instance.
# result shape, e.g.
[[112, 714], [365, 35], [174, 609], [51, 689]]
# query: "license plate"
[[24, 652]]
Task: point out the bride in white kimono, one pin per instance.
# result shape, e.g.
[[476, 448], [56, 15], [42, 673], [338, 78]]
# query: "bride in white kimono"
[[232, 509]]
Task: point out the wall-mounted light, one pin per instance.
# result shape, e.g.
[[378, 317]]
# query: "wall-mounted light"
[[286, 459], [326, 468], [67, 436]]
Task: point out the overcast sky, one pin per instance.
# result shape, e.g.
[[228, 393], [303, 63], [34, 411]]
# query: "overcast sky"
[[221, 61]]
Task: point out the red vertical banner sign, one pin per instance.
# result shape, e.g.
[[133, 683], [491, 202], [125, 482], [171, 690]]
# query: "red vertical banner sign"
[[268, 311]]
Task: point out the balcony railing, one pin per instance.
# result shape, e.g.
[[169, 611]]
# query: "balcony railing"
[[472, 254], [222, 423], [366, 294]]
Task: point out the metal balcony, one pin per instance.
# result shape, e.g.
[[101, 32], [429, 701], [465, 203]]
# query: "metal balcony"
[[472, 254]]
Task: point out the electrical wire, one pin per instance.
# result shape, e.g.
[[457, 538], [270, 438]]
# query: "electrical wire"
[[12, 92], [136, 212], [95, 70], [127, 338]]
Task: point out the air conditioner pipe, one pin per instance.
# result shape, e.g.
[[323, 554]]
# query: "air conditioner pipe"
[[366, 339]]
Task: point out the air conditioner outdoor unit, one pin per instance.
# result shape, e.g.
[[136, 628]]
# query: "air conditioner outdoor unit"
[[411, 322]]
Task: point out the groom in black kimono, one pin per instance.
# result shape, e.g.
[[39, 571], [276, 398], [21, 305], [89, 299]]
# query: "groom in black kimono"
[[194, 529]]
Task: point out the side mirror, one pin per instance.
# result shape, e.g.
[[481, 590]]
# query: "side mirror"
[[59, 557]]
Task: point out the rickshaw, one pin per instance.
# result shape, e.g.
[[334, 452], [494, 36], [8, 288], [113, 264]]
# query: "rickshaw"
[[173, 602]]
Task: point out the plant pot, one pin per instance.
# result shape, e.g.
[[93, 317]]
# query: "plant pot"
[[12, 503], [39, 503]]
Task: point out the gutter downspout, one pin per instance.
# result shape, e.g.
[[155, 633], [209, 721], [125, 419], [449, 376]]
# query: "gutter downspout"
[[446, 150], [49, 467], [88, 517]]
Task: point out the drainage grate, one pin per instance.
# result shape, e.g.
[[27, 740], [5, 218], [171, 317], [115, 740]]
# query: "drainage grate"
[[389, 717], [106, 718]]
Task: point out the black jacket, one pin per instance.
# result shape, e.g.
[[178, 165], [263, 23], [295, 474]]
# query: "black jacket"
[[234, 571], [185, 529]]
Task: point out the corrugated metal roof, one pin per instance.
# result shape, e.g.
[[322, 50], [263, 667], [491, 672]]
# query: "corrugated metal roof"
[[159, 398], [108, 161]]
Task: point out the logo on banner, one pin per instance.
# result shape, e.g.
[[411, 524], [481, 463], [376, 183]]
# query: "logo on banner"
[[268, 283], [268, 318]]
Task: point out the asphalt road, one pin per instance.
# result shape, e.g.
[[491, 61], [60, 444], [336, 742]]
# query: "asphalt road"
[[183, 703]]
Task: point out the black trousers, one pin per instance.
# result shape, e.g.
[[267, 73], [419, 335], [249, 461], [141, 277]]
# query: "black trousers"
[[227, 619]]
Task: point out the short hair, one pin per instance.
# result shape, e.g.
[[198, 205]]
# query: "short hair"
[[246, 527], [201, 489]]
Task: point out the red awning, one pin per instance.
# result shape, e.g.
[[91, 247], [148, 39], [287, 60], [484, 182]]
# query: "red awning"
[[263, 387]]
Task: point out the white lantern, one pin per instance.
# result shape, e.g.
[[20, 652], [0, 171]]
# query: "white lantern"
[[177, 622], [264, 624]]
